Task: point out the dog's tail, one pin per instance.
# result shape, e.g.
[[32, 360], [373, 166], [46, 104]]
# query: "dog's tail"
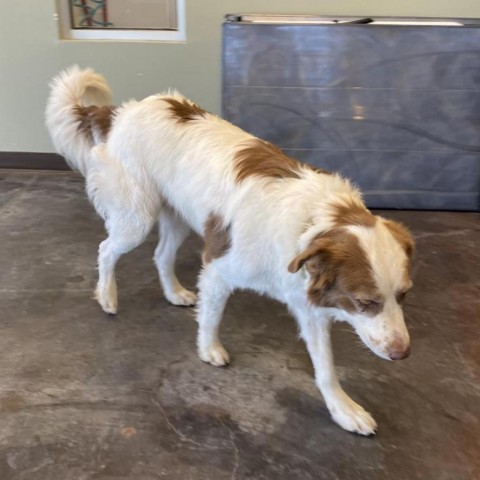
[[78, 114]]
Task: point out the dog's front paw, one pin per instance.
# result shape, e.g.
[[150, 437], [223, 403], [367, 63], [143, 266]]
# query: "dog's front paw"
[[214, 354], [107, 298], [352, 417], [182, 298]]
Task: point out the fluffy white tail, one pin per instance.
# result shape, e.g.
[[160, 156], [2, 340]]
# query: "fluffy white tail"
[[71, 89]]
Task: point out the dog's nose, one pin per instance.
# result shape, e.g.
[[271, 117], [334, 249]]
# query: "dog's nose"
[[398, 354]]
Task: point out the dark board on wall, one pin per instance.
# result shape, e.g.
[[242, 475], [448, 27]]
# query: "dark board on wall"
[[396, 108]]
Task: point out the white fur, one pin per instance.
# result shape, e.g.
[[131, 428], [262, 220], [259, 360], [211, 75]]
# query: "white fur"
[[71, 88], [387, 260], [150, 160]]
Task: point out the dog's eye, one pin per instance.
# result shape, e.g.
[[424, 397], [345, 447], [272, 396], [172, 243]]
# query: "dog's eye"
[[367, 305], [401, 297]]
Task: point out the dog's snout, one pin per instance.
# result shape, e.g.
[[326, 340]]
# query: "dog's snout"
[[396, 353]]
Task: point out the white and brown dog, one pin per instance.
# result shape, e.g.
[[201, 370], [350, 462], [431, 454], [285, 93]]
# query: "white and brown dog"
[[270, 224]]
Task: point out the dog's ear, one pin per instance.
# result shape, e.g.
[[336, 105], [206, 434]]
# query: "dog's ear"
[[314, 257], [402, 235], [317, 261]]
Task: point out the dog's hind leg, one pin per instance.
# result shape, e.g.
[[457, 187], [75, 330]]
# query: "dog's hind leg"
[[129, 205], [124, 236], [173, 231], [213, 296]]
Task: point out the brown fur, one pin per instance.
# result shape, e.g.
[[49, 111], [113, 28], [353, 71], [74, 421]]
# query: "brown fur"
[[402, 236], [340, 273], [95, 118], [217, 238], [263, 159], [184, 111], [352, 213], [266, 160]]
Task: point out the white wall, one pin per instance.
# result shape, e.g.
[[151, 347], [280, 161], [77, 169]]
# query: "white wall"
[[31, 53]]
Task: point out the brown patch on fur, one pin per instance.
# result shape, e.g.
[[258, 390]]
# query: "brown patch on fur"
[[352, 213], [402, 235], [217, 238], [265, 160], [93, 118], [340, 273], [184, 111]]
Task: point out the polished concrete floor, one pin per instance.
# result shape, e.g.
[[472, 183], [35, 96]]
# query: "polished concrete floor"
[[84, 395]]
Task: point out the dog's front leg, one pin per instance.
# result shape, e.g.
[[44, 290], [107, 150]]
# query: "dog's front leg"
[[347, 413], [213, 296]]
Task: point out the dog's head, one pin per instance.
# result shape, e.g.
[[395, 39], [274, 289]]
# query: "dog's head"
[[363, 271]]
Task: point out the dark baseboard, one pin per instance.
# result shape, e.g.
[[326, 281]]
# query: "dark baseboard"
[[33, 161]]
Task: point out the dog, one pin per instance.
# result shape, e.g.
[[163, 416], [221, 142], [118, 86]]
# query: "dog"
[[270, 224]]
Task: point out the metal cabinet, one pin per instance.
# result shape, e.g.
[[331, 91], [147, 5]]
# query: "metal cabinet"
[[393, 104]]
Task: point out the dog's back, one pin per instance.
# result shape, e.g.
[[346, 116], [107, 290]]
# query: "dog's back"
[[186, 151]]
